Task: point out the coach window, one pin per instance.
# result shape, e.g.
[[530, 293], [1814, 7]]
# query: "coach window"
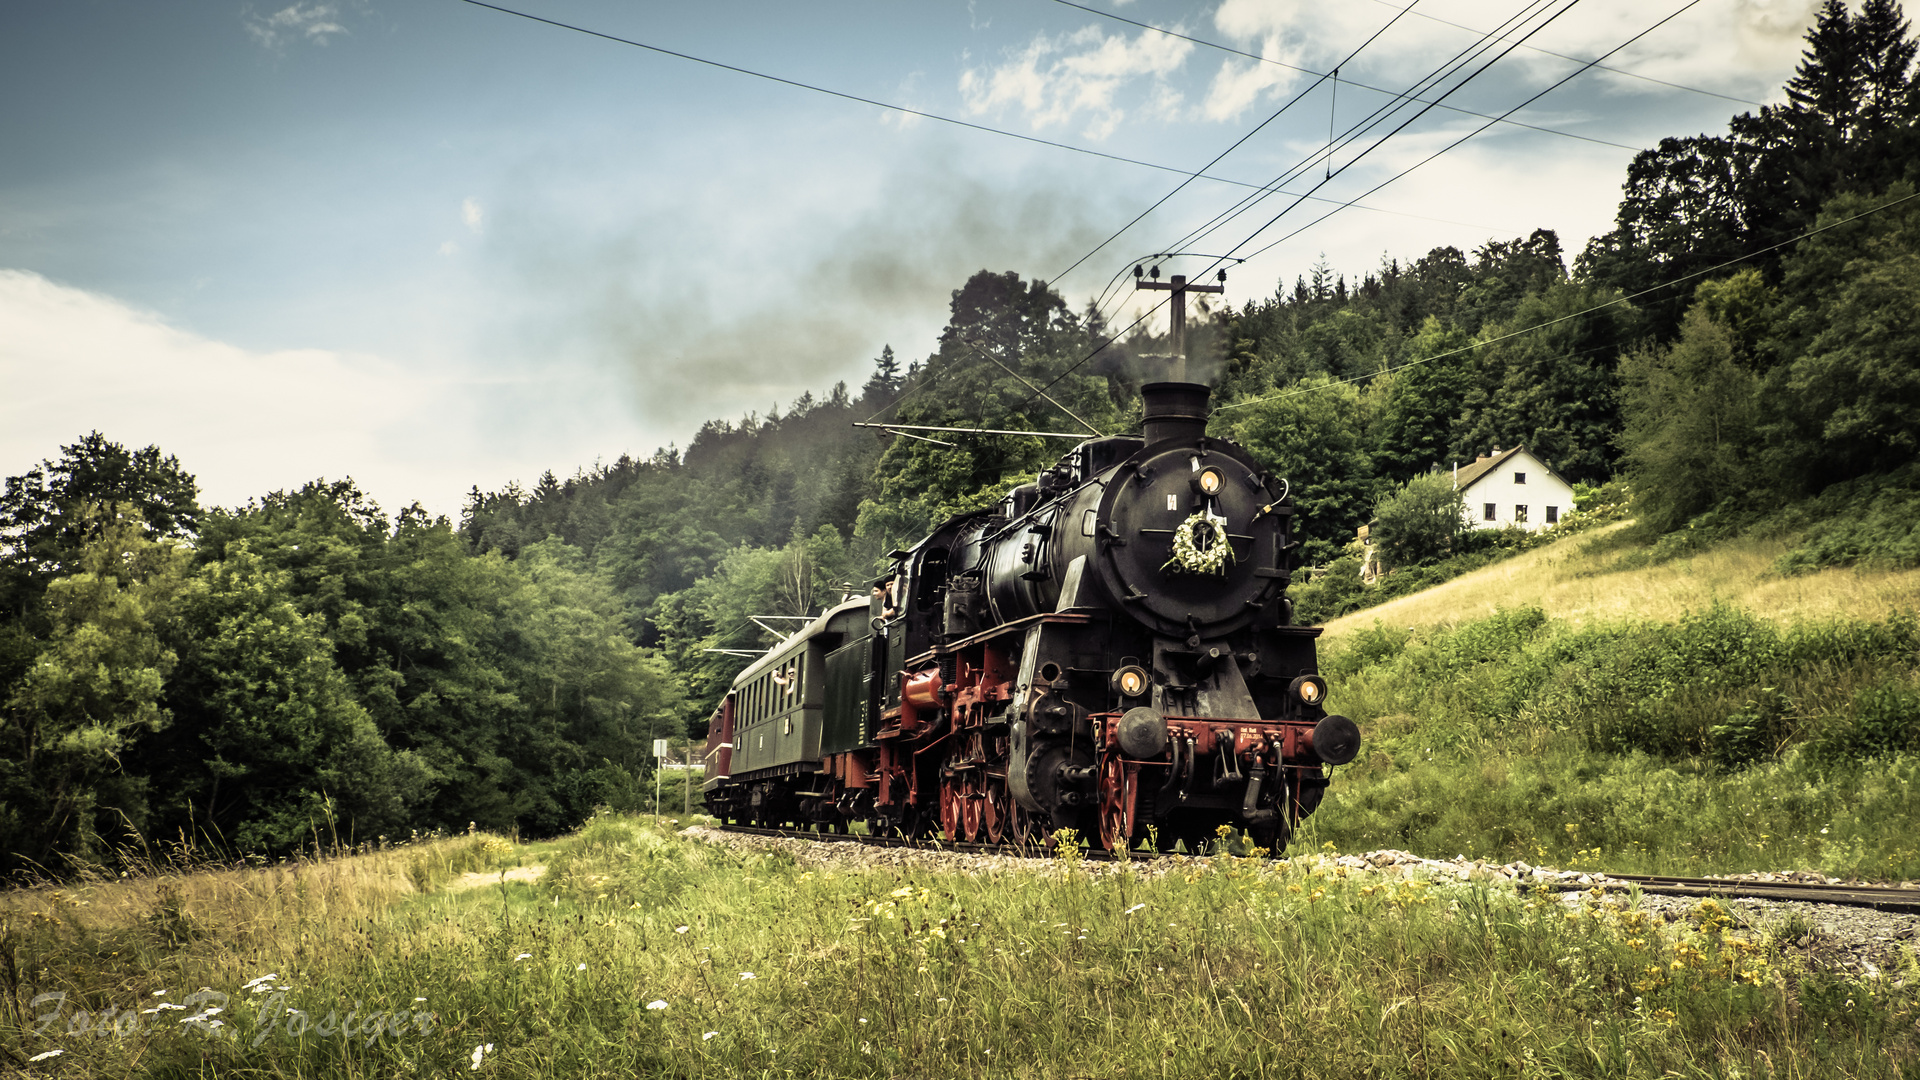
[[1490, 513], [1553, 515], [1520, 513]]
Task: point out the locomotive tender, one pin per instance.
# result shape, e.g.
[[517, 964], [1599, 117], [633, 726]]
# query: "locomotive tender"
[[1110, 649]]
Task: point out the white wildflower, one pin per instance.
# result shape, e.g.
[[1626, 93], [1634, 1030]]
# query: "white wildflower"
[[1134, 908], [681, 929], [480, 1052], [521, 957], [747, 976], [258, 985], [159, 993], [656, 1005], [417, 1001], [580, 967], [49, 1055], [708, 1035]]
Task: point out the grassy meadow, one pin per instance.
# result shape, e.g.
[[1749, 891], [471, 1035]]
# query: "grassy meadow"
[[1602, 575], [629, 950], [1583, 705], [1573, 706]]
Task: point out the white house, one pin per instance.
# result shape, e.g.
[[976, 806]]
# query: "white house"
[[1512, 487]]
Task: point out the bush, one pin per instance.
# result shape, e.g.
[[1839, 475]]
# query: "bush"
[[1417, 522], [1330, 593], [1874, 521]]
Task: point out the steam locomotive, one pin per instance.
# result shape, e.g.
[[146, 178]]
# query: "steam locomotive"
[[1110, 649]]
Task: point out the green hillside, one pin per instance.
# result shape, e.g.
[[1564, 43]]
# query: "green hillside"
[[1584, 704]]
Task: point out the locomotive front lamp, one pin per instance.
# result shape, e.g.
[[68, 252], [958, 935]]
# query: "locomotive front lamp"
[[1211, 481], [1131, 680], [1309, 689]]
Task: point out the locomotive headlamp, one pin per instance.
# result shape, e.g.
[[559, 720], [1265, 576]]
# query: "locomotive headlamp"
[[1131, 680], [1309, 689], [1211, 481]]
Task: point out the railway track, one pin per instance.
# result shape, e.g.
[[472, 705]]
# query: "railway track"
[[1880, 898]]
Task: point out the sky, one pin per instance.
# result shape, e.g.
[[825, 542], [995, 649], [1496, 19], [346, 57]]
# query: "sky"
[[432, 245]]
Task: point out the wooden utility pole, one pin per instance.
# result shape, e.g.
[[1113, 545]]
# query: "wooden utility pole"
[[1179, 287]]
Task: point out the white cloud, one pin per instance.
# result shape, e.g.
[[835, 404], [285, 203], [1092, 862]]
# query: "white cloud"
[[1057, 79], [1240, 83], [245, 422], [448, 247], [313, 22], [471, 213], [248, 422]]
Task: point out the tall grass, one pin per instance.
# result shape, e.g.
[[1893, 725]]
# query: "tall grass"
[[643, 953], [1721, 741], [1583, 578]]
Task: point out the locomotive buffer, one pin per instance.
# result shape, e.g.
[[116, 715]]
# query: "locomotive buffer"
[[1179, 287]]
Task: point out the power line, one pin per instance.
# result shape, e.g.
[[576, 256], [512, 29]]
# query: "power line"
[[889, 106], [1335, 74], [1367, 123], [1548, 90], [1628, 298], [1567, 6], [1439, 73], [1237, 143], [1603, 67]]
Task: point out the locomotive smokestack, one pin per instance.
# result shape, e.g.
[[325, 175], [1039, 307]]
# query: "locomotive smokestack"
[[1174, 411]]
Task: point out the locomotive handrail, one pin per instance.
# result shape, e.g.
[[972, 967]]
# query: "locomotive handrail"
[[1003, 628]]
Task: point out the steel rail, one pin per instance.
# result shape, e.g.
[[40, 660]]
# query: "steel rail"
[[1882, 897]]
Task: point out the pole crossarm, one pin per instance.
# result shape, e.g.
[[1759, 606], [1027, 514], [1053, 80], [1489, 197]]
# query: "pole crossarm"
[[1177, 324]]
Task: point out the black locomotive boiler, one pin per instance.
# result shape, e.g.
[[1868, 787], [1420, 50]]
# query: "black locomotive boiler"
[[1110, 649]]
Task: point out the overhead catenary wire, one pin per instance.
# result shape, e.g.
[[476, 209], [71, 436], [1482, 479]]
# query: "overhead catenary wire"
[[1568, 5], [1237, 143], [1430, 157], [1381, 115], [617, 39], [879, 104], [1116, 17], [1335, 73], [1266, 189], [560, 24], [1603, 67], [1624, 299], [1675, 14]]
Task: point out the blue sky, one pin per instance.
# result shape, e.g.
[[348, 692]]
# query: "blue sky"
[[431, 245]]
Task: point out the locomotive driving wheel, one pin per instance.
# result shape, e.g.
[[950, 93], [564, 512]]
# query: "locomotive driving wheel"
[[972, 799], [996, 809], [951, 800], [1119, 792]]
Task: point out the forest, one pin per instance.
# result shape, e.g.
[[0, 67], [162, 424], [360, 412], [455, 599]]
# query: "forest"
[[1741, 351]]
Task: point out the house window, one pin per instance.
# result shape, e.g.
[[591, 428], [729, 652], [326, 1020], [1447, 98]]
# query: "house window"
[[1491, 516], [1519, 478], [1553, 515], [1520, 513]]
